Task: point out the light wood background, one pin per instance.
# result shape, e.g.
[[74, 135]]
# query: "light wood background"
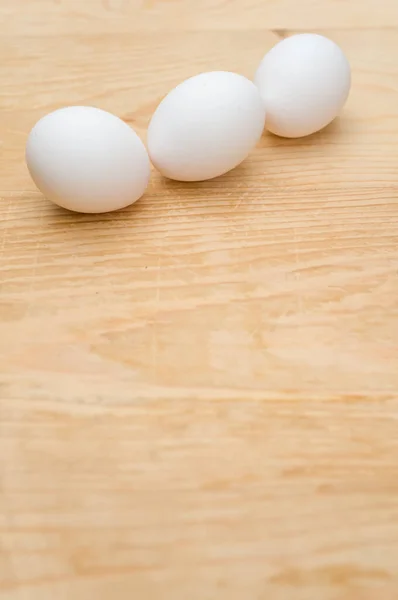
[[199, 394]]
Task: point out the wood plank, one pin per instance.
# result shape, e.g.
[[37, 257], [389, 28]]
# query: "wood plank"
[[70, 17], [199, 394]]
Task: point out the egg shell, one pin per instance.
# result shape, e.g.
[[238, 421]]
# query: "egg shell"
[[87, 160], [206, 126], [304, 81]]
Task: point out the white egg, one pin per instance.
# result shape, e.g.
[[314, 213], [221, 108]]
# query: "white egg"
[[304, 81], [87, 160], [206, 126]]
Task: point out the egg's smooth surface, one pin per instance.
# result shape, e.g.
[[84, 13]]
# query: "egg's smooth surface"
[[304, 81], [87, 160], [206, 126]]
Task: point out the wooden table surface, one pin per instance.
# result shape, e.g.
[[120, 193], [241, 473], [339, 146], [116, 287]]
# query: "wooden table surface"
[[199, 394]]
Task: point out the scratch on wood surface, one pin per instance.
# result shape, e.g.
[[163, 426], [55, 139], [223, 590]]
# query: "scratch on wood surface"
[[155, 339], [297, 274], [4, 228], [240, 200], [280, 33]]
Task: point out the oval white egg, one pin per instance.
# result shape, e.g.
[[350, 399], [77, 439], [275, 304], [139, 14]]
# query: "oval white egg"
[[206, 126], [87, 160], [304, 81]]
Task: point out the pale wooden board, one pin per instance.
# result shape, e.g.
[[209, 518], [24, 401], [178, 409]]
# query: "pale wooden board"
[[199, 394], [69, 17]]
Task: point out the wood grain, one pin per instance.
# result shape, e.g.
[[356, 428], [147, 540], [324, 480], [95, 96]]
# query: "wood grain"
[[199, 394]]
